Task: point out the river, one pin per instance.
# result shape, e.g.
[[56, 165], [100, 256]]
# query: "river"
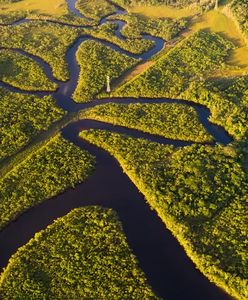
[[168, 269]]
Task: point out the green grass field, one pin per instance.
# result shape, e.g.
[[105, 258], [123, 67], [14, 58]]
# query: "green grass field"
[[215, 21], [54, 8], [218, 22]]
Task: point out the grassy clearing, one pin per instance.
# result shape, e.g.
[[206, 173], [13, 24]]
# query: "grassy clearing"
[[41, 175], [163, 11], [15, 10], [216, 21], [194, 190], [89, 258], [55, 7], [172, 121], [57, 10]]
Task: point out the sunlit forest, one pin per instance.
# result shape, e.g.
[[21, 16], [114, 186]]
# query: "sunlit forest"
[[123, 149]]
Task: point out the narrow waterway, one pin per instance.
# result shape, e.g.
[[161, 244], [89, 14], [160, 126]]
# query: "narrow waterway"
[[169, 271]]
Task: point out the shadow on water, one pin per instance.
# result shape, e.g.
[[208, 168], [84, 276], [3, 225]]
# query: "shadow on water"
[[168, 269]]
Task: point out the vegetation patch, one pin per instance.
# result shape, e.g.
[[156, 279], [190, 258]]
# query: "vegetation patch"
[[96, 62], [22, 117], [57, 10], [172, 121], [179, 6], [238, 10], [191, 60], [89, 258], [48, 41], [163, 11], [132, 44], [95, 9], [23, 72], [220, 22], [228, 101], [164, 28], [192, 188], [184, 73], [57, 165]]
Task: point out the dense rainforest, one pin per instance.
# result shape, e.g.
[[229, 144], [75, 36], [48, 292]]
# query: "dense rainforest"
[[110, 272], [169, 120], [193, 190], [20, 124], [75, 75], [104, 61], [49, 170]]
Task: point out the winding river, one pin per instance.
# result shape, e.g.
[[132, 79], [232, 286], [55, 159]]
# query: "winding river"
[[169, 271]]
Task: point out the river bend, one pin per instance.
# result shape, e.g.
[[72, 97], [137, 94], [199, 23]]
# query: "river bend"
[[169, 271]]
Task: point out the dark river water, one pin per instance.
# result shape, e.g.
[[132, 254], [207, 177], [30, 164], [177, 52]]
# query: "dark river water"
[[169, 271]]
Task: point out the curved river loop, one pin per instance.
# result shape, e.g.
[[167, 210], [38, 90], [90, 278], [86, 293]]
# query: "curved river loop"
[[169, 271]]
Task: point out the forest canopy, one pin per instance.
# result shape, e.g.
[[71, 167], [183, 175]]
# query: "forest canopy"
[[44, 173], [89, 258], [192, 188]]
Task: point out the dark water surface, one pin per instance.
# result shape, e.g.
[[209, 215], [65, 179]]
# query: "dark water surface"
[[169, 271]]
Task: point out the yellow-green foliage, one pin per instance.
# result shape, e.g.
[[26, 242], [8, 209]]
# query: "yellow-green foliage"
[[55, 7], [95, 9], [229, 249], [23, 72], [133, 44], [240, 11], [48, 41], [42, 175], [182, 73], [164, 28], [173, 72], [96, 62], [172, 121], [83, 255], [10, 17], [228, 101], [158, 3], [164, 11], [23, 117], [219, 21], [56, 10], [192, 188]]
